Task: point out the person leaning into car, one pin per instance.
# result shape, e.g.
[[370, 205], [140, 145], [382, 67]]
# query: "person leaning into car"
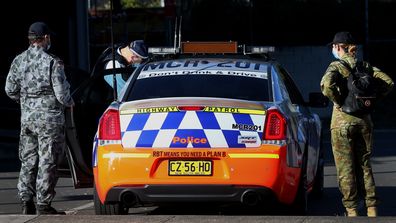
[[351, 135], [37, 81], [126, 55]]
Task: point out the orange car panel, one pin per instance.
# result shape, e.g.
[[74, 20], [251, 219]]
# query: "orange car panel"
[[261, 167]]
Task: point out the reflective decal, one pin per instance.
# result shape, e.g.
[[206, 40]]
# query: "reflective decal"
[[189, 139], [192, 129], [94, 151], [247, 127], [254, 155], [150, 110], [234, 110], [204, 67], [145, 74], [195, 65], [189, 154], [206, 109], [125, 155], [247, 139]]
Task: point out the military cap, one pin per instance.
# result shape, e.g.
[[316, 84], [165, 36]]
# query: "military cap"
[[39, 29], [343, 37]]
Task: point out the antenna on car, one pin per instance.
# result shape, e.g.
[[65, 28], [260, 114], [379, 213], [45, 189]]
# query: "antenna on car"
[[179, 27], [113, 51], [175, 37]]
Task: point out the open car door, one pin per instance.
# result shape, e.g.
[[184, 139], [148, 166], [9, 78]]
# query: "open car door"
[[91, 96]]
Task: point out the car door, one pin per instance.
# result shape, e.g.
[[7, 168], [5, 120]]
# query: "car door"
[[306, 123], [91, 97]]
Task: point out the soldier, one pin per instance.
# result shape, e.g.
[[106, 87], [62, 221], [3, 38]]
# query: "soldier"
[[351, 135], [37, 82]]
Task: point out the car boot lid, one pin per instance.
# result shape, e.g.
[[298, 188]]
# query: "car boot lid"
[[191, 123]]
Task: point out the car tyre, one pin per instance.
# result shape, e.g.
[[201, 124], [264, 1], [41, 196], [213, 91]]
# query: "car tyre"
[[318, 186], [300, 204], [108, 209]]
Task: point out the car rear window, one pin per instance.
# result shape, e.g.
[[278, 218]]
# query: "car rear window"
[[222, 79]]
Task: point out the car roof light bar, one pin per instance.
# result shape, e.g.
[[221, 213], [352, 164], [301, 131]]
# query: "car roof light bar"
[[230, 47], [163, 50], [209, 47], [258, 49]]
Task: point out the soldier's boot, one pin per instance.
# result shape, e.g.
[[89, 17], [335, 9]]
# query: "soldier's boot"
[[47, 210], [371, 211], [351, 212], [28, 207]]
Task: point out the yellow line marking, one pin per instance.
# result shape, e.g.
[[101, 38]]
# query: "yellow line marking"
[[147, 155], [234, 110], [126, 155], [253, 155], [206, 109], [150, 110]]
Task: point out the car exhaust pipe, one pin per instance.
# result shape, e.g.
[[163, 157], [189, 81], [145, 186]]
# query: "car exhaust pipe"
[[250, 198], [129, 199]]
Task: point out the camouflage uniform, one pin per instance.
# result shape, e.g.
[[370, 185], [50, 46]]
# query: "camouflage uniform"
[[351, 136], [37, 81]]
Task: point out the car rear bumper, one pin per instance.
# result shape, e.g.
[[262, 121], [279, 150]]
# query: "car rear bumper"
[[157, 194], [145, 176]]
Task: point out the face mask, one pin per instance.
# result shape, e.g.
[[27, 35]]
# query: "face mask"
[[135, 65], [334, 51], [48, 45]]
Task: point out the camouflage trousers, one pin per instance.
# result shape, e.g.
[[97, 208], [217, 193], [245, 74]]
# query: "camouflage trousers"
[[39, 148], [352, 145]]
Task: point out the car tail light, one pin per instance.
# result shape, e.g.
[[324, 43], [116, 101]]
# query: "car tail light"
[[275, 125], [191, 108], [109, 125]]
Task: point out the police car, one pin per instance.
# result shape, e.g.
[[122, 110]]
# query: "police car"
[[213, 122]]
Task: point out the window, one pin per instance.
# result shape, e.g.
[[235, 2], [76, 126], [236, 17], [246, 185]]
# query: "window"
[[221, 86], [294, 94], [142, 3], [94, 5]]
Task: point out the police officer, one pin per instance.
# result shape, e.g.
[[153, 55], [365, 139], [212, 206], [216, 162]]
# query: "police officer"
[[125, 55], [37, 81], [351, 135]]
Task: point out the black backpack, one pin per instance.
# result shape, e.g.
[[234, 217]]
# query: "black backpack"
[[362, 90]]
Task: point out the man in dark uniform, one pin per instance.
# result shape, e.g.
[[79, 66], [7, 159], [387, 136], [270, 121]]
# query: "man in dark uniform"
[[37, 81], [351, 135], [126, 55]]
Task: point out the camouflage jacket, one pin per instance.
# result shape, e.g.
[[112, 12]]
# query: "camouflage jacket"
[[37, 81], [333, 85]]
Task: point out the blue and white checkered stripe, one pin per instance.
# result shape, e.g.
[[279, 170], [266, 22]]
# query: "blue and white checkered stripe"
[[159, 129]]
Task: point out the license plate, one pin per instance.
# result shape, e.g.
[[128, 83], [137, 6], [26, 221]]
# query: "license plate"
[[190, 168]]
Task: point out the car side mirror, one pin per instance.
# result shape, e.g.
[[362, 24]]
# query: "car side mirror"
[[318, 100]]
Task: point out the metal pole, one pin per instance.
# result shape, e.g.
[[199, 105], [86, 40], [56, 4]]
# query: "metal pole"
[[82, 58], [113, 52], [251, 22], [175, 37], [180, 27], [366, 27]]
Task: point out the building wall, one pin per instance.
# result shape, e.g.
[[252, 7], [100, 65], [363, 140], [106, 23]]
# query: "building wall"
[[307, 64]]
